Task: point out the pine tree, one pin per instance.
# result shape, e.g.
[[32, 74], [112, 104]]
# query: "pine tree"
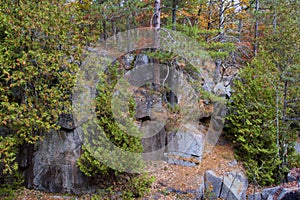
[[264, 114]]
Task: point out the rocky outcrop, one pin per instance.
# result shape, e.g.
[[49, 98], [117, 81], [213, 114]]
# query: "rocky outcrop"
[[53, 161], [182, 144], [54, 164], [231, 185]]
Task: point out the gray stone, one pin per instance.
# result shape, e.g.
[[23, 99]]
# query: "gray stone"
[[141, 59], [228, 180], [239, 187], [54, 164], [187, 98], [188, 139], [83, 95], [269, 192], [208, 83], [153, 142], [255, 196], [151, 128], [232, 163], [234, 186], [139, 76], [213, 185], [143, 102], [185, 146]]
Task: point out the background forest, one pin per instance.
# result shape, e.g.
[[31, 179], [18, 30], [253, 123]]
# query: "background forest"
[[42, 46]]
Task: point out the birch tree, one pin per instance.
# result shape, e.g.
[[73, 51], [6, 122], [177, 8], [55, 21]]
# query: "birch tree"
[[156, 23]]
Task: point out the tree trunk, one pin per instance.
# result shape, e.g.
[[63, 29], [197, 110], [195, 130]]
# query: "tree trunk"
[[217, 74], [172, 65], [157, 14], [256, 34], [174, 7], [156, 43], [221, 17]]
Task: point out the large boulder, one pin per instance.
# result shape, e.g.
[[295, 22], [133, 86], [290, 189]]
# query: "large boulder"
[[231, 185], [234, 186]]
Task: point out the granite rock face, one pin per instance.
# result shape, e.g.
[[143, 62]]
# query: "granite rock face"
[[182, 144], [153, 144], [185, 147], [54, 164]]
